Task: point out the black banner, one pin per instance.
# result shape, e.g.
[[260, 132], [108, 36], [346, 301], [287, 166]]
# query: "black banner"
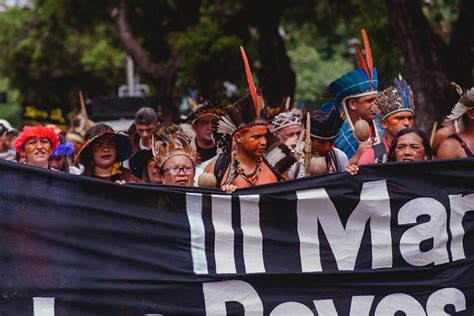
[[397, 239]]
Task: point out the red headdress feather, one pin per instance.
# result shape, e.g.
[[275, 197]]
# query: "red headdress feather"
[[362, 61], [252, 87], [36, 131], [368, 53]]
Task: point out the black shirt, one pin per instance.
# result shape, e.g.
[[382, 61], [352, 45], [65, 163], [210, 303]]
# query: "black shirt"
[[206, 153]]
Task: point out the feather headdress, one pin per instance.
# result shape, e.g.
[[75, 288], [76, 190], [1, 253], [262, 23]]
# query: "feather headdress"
[[171, 141], [201, 109], [394, 99], [244, 113], [326, 125], [285, 119], [277, 155], [464, 104], [356, 83]]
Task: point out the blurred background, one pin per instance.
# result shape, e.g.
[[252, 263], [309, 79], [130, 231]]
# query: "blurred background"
[[171, 49]]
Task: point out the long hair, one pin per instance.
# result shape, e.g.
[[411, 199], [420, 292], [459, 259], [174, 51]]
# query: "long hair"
[[425, 141], [65, 166]]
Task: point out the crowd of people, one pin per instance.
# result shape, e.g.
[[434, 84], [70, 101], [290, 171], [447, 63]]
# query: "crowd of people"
[[247, 144]]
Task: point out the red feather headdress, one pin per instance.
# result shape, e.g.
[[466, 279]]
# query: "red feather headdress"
[[366, 62]]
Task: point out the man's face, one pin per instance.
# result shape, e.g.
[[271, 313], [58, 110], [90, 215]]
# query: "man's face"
[[104, 151], [8, 139], [364, 106], [289, 135], [203, 127], [253, 141], [410, 148], [398, 121], [145, 131], [37, 150], [320, 147]]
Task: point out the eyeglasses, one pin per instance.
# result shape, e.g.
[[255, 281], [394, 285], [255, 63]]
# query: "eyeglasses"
[[175, 170]]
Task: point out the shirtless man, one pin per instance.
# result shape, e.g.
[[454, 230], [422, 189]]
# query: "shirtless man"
[[244, 165], [460, 145], [242, 128]]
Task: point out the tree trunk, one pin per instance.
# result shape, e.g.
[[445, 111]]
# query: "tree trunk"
[[277, 78], [422, 51], [430, 64], [460, 57], [165, 77]]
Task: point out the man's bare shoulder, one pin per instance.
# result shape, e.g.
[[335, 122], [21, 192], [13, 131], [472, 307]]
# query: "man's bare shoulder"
[[450, 148]]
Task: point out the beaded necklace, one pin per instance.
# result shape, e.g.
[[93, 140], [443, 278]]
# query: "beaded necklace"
[[252, 177]]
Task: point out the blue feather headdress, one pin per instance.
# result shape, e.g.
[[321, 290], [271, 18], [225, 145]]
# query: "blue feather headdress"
[[63, 150], [326, 125], [356, 83], [396, 98]]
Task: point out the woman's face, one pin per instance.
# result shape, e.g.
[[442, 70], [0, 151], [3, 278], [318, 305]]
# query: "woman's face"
[[153, 172], [410, 148], [37, 150], [56, 162], [178, 170], [104, 151]]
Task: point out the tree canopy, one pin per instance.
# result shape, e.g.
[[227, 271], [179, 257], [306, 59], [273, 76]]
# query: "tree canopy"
[[53, 48]]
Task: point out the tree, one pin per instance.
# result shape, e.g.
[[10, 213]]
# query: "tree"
[[431, 63], [49, 62]]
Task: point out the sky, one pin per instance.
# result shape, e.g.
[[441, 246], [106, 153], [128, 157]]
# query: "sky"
[[10, 3]]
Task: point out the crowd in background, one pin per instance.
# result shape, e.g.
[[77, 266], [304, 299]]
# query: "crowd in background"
[[248, 143]]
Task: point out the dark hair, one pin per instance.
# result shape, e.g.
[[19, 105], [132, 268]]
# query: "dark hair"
[[146, 116], [425, 141], [91, 132]]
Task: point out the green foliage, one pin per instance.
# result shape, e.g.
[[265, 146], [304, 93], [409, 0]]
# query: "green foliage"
[[56, 47], [313, 73], [11, 110], [441, 14], [211, 57], [49, 62]]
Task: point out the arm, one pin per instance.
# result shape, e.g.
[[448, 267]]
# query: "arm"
[[363, 147], [367, 157], [450, 149], [228, 188]]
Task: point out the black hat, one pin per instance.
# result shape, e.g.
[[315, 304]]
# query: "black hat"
[[124, 146]]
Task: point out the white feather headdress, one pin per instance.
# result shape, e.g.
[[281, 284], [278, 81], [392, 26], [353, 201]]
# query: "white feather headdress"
[[465, 103]]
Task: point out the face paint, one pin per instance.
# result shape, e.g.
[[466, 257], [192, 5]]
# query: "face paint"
[[253, 141], [34, 144], [37, 150], [410, 148]]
